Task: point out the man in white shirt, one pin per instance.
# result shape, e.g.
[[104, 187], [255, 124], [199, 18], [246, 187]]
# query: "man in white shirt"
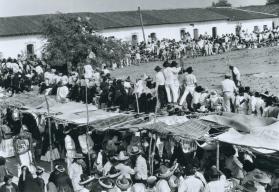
[[235, 75], [190, 84], [191, 182], [228, 88], [140, 166], [217, 181], [160, 86], [88, 72], [171, 82]]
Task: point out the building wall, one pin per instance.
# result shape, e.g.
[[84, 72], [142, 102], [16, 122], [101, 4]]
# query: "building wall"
[[172, 31], [11, 46], [14, 45]]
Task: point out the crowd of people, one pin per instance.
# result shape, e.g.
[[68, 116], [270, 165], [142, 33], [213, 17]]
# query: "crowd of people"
[[121, 164], [204, 45], [173, 88]]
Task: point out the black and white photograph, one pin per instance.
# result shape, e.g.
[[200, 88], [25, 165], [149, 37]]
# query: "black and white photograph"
[[139, 95]]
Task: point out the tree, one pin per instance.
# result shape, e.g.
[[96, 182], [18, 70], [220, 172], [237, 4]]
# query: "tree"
[[70, 39], [222, 3], [270, 2]]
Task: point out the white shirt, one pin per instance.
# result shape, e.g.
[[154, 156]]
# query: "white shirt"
[[228, 86], [39, 69], [88, 71], [106, 71], [190, 80], [141, 168], [236, 73], [171, 74], [162, 186], [160, 78], [191, 184], [126, 171], [216, 186]]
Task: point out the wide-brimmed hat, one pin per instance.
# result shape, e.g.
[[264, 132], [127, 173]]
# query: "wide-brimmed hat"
[[40, 170], [135, 150], [124, 183], [128, 79], [113, 173], [121, 156], [67, 130], [157, 68], [78, 156], [248, 187], [189, 70], [151, 179], [84, 179], [166, 172], [106, 182], [261, 178], [60, 168]]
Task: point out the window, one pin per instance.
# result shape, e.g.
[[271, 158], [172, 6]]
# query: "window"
[[214, 32], [134, 39], [182, 33], [153, 36], [196, 34], [256, 28], [30, 49]]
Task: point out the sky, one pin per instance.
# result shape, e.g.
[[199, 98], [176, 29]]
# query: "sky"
[[33, 7]]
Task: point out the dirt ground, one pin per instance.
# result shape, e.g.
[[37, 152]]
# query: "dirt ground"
[[259, 69]]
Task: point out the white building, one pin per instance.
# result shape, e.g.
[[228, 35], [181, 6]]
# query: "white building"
[[22, 34]]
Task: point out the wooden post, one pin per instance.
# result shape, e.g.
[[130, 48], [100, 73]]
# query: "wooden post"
[[218, 156], [137, 101], [141, 22], [87, 129], [49, 132]]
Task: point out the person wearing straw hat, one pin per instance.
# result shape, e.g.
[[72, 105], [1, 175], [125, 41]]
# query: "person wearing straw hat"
[[140, 164], [261, 180], [217, 181], [190, 82], [191, 182], [75, 171], [125, 170], [235, 75], [8, 186], [247, 187], [39, 179], [60, 179], [160, 86], [164, 175], [229, 89]]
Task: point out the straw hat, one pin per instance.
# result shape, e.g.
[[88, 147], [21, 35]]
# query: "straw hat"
[[60, 168], [261, 178], [135, 150], [248, 187], [84, 179], [40, 170], [166, 172], [113, 173], [106, 182], [123, 183], [121, 156]]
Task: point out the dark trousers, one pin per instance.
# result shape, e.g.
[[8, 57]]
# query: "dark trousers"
[[162, 95]]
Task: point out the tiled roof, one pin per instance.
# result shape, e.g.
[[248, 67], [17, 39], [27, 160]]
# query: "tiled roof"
[[26, 25]]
